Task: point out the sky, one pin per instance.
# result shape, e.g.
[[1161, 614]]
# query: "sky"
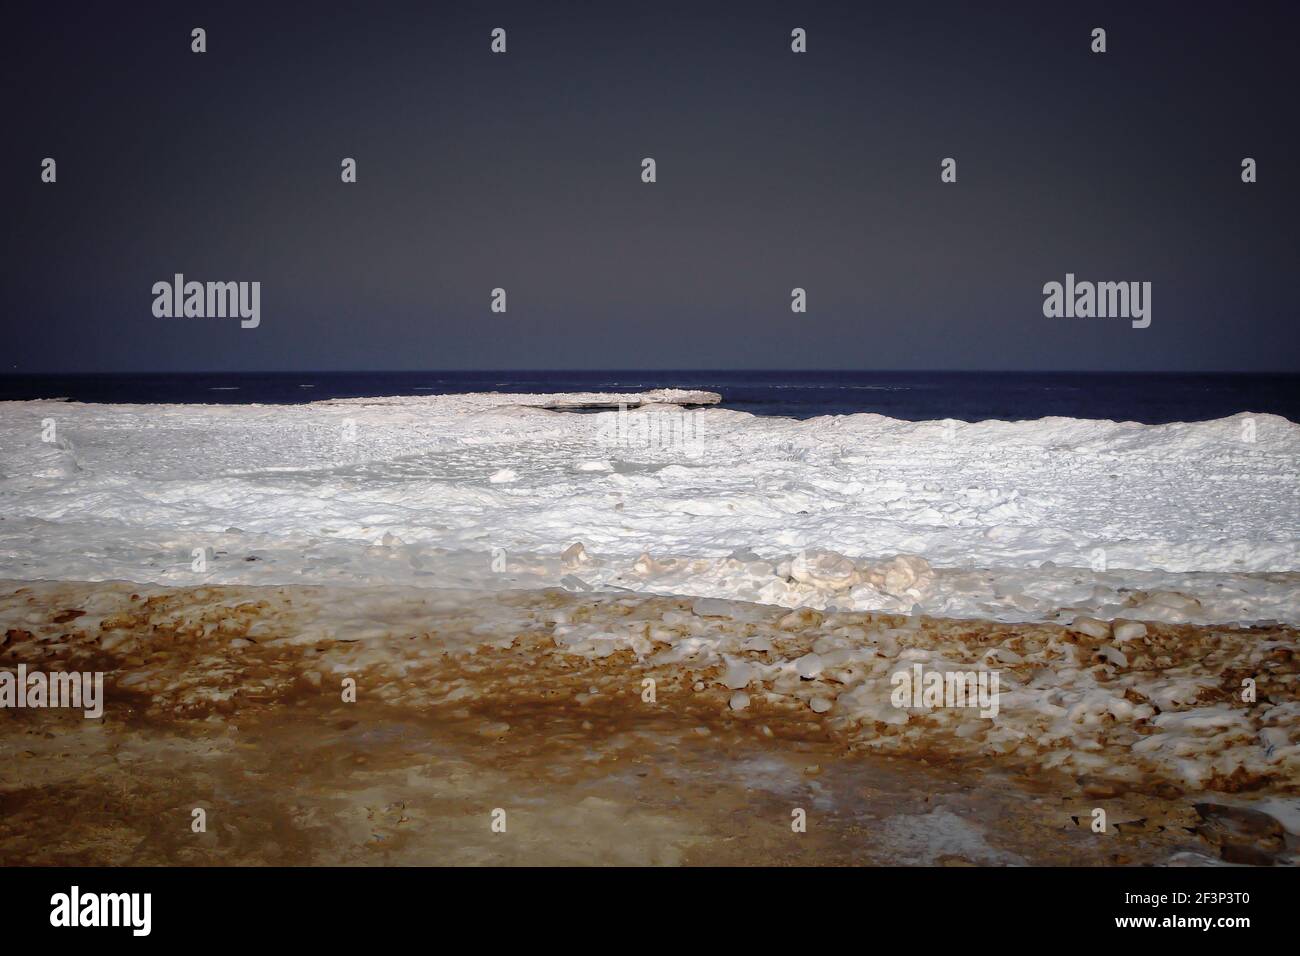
[[775, 170]]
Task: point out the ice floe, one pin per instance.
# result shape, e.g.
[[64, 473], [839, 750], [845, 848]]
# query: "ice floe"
[[1044, 520]]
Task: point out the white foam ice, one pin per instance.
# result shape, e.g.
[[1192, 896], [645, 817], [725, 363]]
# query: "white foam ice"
[[1010, 520]]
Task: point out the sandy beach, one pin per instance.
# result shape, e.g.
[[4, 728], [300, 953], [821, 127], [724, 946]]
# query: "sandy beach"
[[490, 628], [536, 704]]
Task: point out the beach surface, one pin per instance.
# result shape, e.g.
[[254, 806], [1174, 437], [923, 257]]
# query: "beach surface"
[[395, 725], [1016, 521], [514, 629]]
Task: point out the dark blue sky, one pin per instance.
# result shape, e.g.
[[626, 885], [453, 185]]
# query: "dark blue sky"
[[775, 170]]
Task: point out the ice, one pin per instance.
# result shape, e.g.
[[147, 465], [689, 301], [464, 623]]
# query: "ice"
[[1044, 520], [1160, 711], [933, 836]]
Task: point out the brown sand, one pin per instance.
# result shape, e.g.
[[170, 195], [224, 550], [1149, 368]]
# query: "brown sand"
[[255, 732]]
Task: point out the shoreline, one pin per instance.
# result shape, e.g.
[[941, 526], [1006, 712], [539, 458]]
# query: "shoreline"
[[1016, 521], [543, 694]]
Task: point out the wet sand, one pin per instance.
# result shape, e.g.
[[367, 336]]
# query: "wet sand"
[[253, 729]]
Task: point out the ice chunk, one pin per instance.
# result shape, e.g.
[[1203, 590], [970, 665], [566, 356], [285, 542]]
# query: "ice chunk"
[[1129, 631], [824, 570], [1091, 627]]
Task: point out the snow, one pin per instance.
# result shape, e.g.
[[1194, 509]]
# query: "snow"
[[930, 837], [1047, 520], [1165, 710]]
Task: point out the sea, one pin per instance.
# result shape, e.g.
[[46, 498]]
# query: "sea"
[[1151, 398]]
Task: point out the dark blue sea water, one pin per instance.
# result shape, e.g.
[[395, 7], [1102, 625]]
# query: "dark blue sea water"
[[915, 396]]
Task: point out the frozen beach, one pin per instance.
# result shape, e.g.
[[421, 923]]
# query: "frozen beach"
[[626, 729], [1013, 521], [628, 627]]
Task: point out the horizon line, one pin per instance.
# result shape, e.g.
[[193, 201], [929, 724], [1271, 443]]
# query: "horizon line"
[[650, 371]]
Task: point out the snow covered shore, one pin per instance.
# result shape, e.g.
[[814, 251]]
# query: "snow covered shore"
[[1128, 707], [347, 725], [1015, 521]]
